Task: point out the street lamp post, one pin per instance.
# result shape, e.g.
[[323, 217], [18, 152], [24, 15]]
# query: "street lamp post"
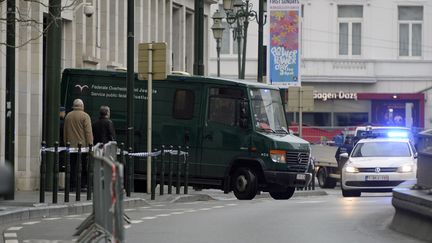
[[240, 13], [218, 29]]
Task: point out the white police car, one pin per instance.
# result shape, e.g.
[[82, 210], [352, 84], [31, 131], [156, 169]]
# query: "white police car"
[[378, 165]]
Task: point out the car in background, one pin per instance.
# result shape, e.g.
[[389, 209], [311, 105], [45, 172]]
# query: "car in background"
[[378, 165]]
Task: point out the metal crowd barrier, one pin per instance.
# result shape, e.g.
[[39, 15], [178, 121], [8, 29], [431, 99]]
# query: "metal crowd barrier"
[[106, 221], [67, 151], [311, 185]]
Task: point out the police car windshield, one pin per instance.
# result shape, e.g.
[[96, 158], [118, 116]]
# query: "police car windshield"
[[382, 149]]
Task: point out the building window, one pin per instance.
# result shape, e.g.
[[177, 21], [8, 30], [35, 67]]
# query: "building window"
[[350, 19], [410, 20], [224, 105], [350, 119], [183, 107]]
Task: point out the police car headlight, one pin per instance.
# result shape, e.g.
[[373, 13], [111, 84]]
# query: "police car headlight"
[[406, 168], [278, 156], [351, 169]]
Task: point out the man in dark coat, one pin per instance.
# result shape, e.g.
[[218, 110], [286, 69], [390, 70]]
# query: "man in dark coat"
[[103, 128]]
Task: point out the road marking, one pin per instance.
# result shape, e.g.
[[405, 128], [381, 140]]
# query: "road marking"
[[72, 216], [193, 202], [149, 218], [136, 221], [14, 228], [310, 202], [144, 207], [190, 211], [10, 235], [130, 209], [231, 204], [51, 219], [204, 209], [218, 207], [127, 226], [30, 223], [11, 241], [162, 215], [77, 218], [175, 213], [159, 205]]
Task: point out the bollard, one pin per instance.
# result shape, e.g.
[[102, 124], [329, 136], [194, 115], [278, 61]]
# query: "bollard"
[[89, 172], [42, 174], [67, 172], [153, 179], [55, 173], [170, 170], [162, 171], [178, 171], [78, 174], [186, 171], [129, 174]]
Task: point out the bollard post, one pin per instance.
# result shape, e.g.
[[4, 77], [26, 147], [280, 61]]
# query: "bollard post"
[[78, 174], [186, 170], [170, 170], [162, 171], [153, 179], [67, 172], [178, 171], [55, 173], [42, 174], [129, 173], [89, 172]]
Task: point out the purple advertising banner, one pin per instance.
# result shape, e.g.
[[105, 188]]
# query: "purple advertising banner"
[[283, 54]]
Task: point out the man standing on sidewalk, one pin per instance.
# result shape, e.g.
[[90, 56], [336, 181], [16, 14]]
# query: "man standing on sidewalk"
[[78, 129], [103, 128]]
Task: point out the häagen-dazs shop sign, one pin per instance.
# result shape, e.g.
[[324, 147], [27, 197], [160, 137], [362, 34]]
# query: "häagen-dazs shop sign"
[[334, 96]]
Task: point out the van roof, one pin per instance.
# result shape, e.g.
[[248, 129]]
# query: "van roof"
[[171, 77]]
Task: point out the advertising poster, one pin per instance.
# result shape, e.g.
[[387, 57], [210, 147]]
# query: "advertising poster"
[[283, 53]]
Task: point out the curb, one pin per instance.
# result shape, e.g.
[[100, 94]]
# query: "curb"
[[44, 210]]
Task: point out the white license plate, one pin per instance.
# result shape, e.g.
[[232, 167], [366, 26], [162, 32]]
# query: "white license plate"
[[301, 177], [377, 178]]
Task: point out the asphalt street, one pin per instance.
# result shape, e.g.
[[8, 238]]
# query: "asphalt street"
[[329, 218]]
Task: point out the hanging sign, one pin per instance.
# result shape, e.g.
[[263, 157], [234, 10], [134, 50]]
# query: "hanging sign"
[[283, 54]]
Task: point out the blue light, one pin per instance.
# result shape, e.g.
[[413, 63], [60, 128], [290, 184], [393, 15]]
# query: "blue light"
[[397, 134]]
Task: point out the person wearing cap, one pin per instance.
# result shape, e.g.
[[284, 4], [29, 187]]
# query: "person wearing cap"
[[78, 130]]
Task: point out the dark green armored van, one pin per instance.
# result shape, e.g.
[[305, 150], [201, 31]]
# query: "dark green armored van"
[[236, 130]]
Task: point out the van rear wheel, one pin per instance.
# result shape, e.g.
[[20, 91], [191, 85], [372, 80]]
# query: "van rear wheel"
[[244, 184], [284, 195]]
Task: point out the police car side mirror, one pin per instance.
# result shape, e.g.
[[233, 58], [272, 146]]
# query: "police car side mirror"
[[415, 155]]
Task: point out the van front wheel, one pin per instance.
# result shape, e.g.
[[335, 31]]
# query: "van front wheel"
[[284, 195], [244, 184]]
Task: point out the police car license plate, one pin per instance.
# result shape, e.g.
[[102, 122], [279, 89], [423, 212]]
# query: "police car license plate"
[[301, 177], [377, 178]]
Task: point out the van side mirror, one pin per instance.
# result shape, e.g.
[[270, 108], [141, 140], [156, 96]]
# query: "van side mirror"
[[244, 114]]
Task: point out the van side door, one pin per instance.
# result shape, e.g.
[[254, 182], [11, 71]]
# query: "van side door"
[[223, 135]]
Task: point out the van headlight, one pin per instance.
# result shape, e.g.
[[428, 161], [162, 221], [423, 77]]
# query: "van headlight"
[[351, 169], [278, 156], [406, 168]]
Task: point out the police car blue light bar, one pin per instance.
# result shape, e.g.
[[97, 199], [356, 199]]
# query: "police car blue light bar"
[[397, 134]]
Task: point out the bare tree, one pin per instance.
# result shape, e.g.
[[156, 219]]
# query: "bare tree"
[[24, 18]]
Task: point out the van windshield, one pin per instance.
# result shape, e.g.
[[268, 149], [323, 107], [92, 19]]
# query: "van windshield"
[[268, 113]]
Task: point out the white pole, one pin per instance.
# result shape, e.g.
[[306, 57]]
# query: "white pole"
[[149, 115]]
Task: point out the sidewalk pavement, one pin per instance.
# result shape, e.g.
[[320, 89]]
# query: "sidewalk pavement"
[[26, 205]]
